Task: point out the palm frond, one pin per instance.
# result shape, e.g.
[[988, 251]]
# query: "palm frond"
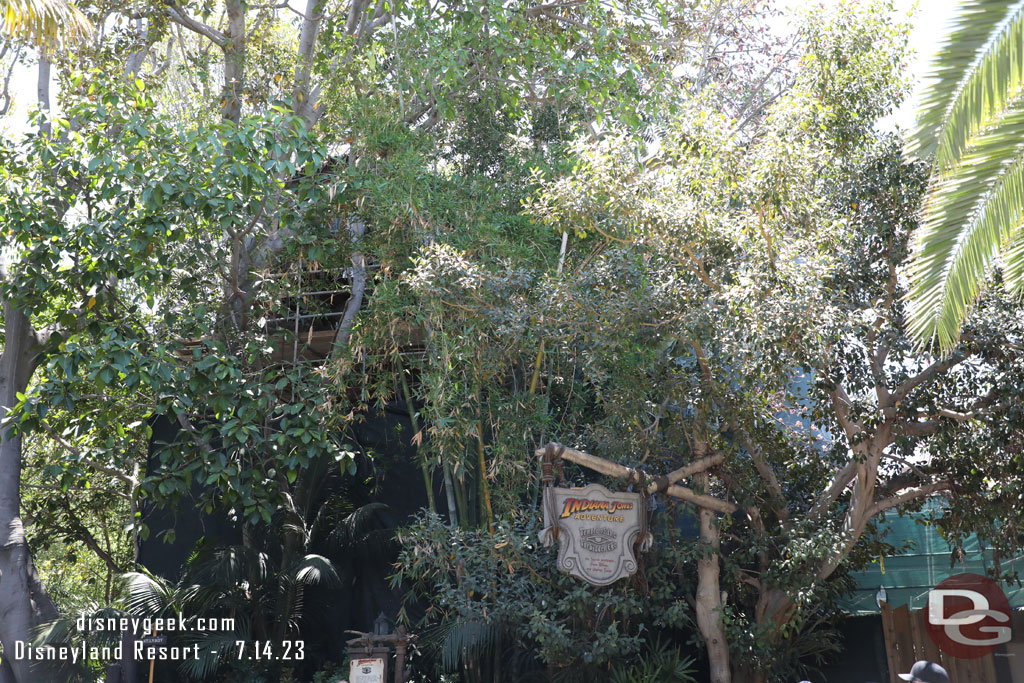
[[214, 650], [316, 569], [1013, 262], [972, 118], [65, 630], [468, 640], [148, 595], [954, 76], [47, 23], [970, 214], [662, 663], [990, 87], [228, 565]]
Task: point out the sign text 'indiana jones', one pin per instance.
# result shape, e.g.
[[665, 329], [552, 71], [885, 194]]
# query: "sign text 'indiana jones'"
[[597, 530]]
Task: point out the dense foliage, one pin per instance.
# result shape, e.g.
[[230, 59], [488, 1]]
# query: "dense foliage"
[[656, 234]]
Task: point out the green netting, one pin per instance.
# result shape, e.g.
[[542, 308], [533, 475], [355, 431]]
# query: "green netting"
[[908, 577]]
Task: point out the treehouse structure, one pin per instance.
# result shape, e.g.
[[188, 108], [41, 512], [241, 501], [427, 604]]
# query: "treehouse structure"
[[302, 325]]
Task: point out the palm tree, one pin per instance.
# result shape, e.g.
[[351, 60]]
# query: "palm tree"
[[44, 22], [971, 123]]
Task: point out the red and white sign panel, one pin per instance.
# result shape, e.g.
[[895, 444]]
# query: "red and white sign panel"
[[968, 616]]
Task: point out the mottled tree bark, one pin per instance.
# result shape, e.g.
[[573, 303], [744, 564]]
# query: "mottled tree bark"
[[234, 61], [24, 603], [709, 595]]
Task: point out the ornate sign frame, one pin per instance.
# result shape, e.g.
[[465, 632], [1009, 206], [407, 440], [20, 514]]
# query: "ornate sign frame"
[[596, 529]]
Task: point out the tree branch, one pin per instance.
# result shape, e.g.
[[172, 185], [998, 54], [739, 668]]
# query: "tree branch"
[[764, 468], [925, 425], [85, 459], [356, 229], [303, 102], [83, 534], [908, 496], [926, 375], [178, 16], [839, 483]]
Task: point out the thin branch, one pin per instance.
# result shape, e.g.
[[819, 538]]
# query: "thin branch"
[[86, 460], [356, 229], [700, 271], [909, 496], [764, 468], [926, 375], [83, 534], [927, 424], [842, 403], [186, 424], [911, 467], [537, 11], [5, 92]]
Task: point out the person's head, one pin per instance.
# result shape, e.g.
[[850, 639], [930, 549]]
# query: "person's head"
[[926, 672]]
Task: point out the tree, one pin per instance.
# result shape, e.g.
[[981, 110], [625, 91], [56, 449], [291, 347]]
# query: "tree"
[[156, 231], [969, 126], [738, 302], [136, 231], [100, 335]]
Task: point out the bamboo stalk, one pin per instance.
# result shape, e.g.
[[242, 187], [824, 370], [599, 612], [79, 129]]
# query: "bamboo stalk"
[[535, 380], [449, 491], [462, 498], [536, 367], [485, 491], [428, 481]]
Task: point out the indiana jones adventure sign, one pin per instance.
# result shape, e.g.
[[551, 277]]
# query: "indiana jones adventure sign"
[[596, 530]]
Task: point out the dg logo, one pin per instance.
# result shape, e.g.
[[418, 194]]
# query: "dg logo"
[[968, 616]]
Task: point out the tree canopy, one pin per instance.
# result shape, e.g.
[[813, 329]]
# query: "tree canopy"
[[659, 233]]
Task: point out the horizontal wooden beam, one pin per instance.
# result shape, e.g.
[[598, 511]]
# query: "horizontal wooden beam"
[[613, 469]]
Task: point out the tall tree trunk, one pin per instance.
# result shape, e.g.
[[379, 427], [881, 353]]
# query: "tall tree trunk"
[[709, 594], [43, 93], [305, 98], [24, 603], [234, 61]]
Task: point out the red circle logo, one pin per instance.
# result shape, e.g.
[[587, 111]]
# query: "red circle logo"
[[968, 616]]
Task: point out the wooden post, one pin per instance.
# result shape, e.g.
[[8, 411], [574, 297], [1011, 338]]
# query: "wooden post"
[[400, 647], [152, 664], [889, 636], [129, 667]]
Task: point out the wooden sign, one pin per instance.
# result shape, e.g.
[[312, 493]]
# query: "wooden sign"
[[596, 530], [366, 670]]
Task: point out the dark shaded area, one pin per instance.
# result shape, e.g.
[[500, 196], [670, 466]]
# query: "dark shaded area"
[[389, 480], [189, 521], [863, 657]]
